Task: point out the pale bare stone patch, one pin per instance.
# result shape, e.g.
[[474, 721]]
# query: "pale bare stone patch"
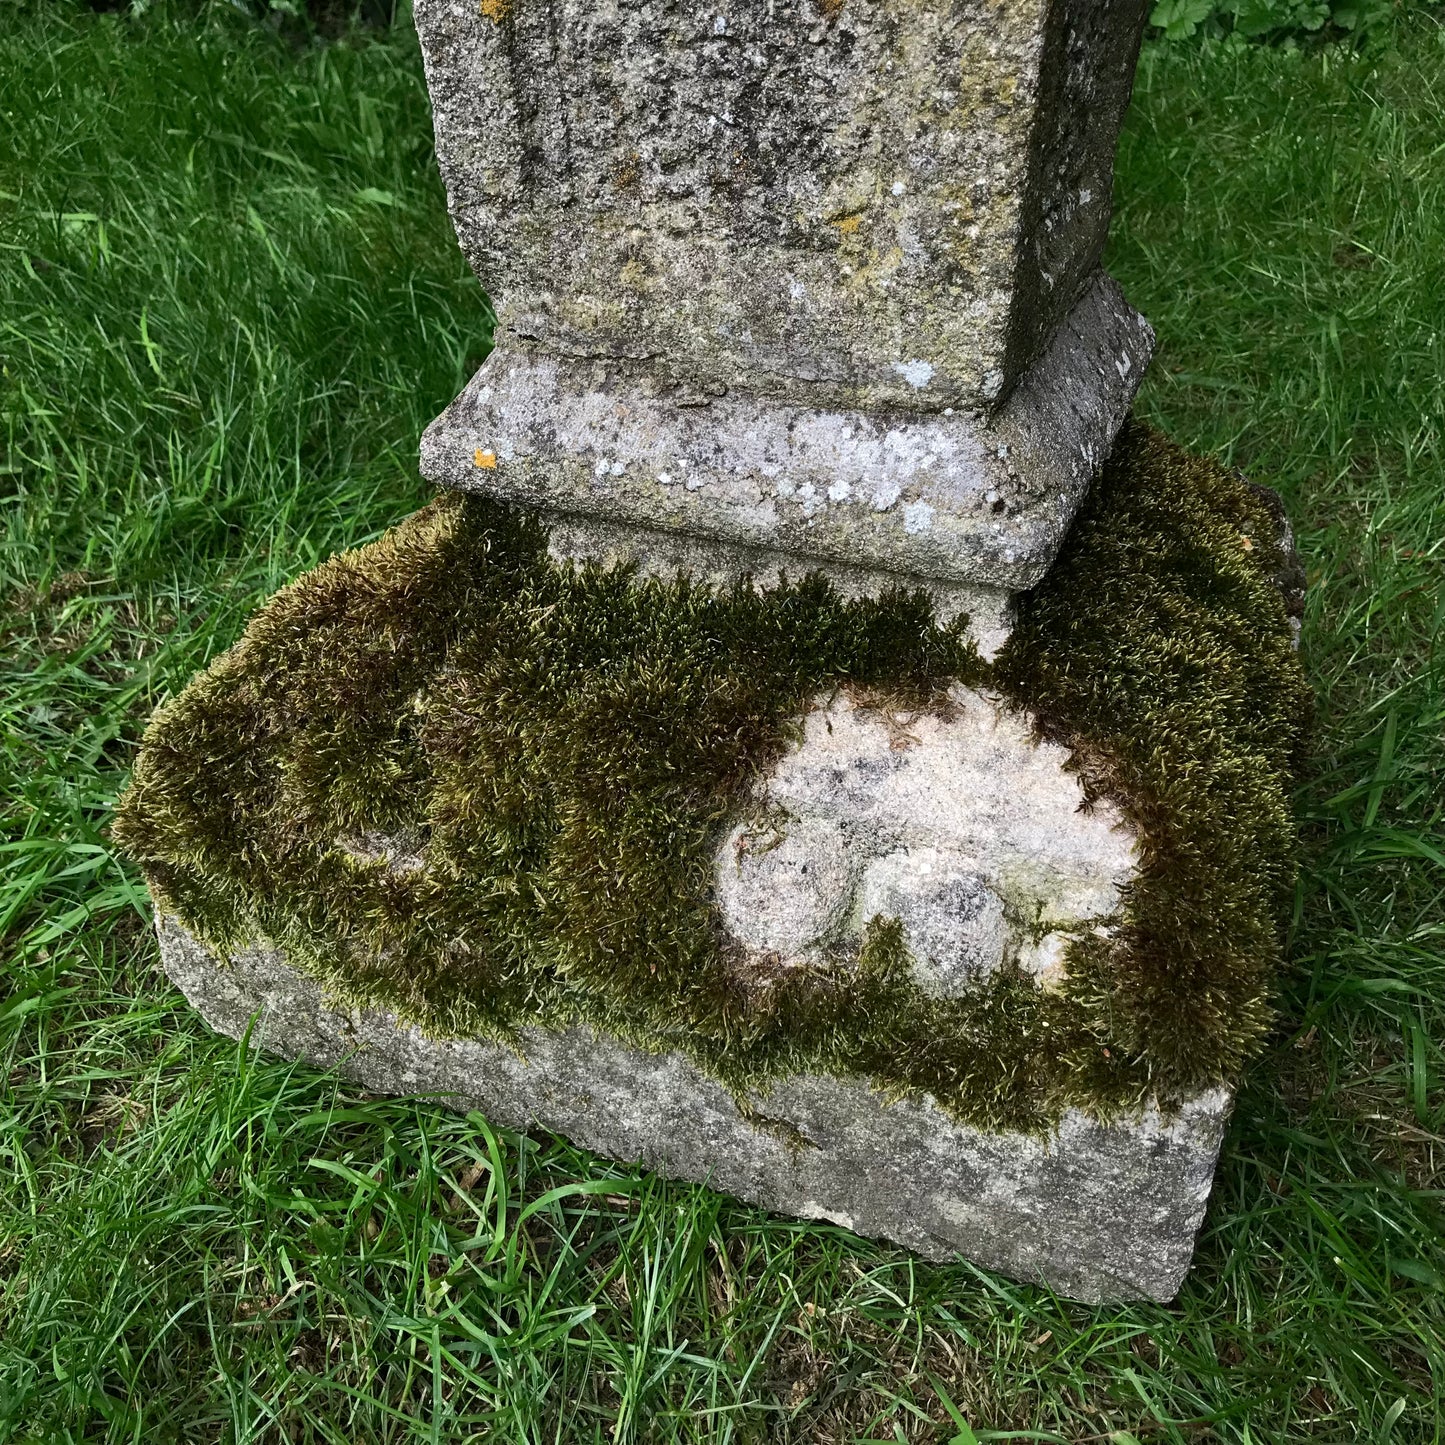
[[959, 822]]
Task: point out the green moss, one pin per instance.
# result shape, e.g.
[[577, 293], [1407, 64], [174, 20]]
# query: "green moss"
[[567, 746]]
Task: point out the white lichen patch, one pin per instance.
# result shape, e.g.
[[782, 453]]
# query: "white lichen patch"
[[957, 822], [917, 517], [916, 373]]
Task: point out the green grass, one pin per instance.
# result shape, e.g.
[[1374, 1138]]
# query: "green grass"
[[229, 299]]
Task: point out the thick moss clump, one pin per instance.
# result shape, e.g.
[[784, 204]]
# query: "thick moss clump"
[[455, 780]]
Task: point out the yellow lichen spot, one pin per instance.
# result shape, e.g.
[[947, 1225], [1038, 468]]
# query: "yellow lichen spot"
[[496, 11], [634, 275], [488, 460], [627, 172], [847, 225]]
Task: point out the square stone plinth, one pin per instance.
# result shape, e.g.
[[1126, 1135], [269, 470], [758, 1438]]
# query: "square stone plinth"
[[1094, 1211], [644, 470], [772, 890], [841, 204]]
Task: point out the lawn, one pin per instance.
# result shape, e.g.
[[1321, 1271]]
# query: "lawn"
[[229, 301]]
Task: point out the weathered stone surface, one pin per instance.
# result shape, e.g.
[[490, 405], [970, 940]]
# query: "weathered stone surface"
[[953, 922], [972, 778], [1096, 1212], [953, 497], [958, 822], [811, 278], [882, 205], [787, 889]]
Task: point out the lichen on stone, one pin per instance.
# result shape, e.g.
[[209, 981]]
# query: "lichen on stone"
[[456, 780]]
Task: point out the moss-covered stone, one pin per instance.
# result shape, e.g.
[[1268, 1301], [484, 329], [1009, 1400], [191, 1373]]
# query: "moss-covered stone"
[[454, 780]]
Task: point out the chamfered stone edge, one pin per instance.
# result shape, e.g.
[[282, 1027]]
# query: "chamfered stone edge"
[[955, 498]]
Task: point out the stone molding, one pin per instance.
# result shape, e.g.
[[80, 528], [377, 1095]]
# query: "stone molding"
[[947, 497]]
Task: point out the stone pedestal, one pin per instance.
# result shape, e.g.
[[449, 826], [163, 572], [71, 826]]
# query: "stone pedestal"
[[796, 283], [863, 930], [956, 936], [976, 838]]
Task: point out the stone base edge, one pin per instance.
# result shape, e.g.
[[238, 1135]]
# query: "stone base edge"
[[990, 611], [1096, 1212], [954, 496]]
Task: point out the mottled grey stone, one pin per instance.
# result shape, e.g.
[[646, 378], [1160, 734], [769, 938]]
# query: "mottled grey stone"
[[879, 205], [953, 922], [959, 821], [1096, 1211], [955, 497], [972, 778], [786, 887]]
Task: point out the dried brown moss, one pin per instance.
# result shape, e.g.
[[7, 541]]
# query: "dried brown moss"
[[553, 755]]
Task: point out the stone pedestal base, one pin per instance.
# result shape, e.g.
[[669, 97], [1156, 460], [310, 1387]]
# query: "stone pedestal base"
[[635, 467], [1096, 1212], [785, 894]]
